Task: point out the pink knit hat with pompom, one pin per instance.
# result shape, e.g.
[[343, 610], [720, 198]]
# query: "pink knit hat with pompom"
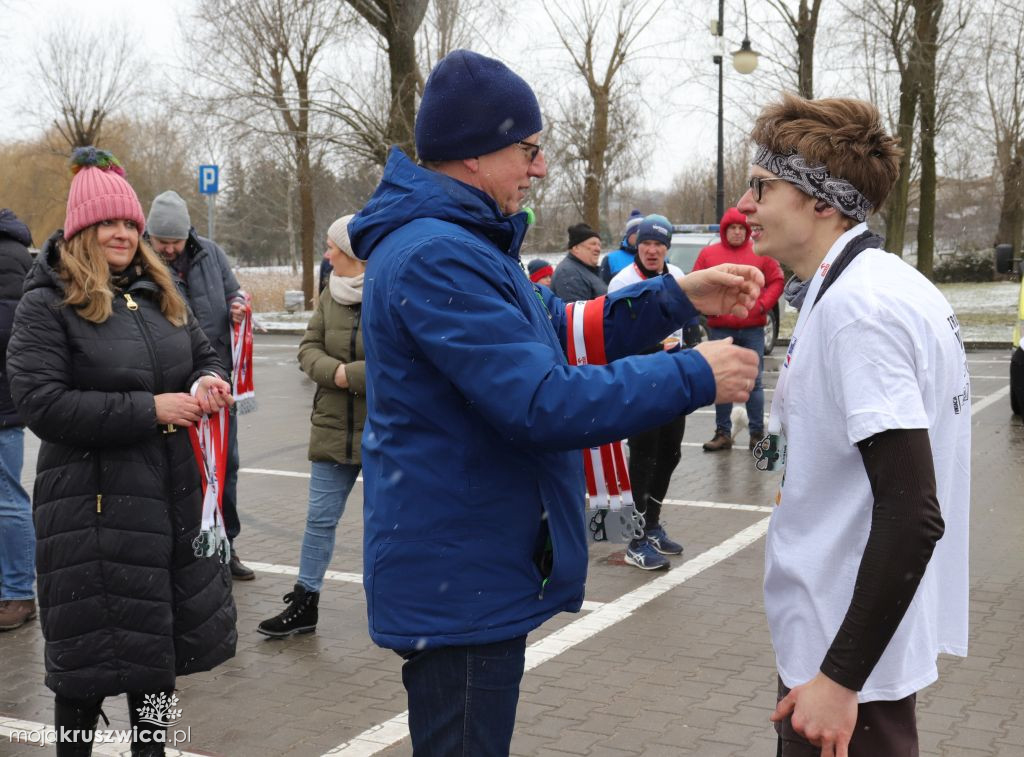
[[99, 192]]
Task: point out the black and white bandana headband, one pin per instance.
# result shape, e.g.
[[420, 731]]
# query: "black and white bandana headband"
[[814, 179]]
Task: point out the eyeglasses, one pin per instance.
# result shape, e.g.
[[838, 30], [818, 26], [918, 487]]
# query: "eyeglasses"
[[532, 149], [757, 183]]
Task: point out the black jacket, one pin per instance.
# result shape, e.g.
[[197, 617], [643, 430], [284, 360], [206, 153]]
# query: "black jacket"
[[209, 288], [575, 280], [125, 605], [14, 264]]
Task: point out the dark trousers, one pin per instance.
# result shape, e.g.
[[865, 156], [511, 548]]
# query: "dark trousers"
[[462, 700], [77, 718], [883, 728], [653, 455], [229, 500]]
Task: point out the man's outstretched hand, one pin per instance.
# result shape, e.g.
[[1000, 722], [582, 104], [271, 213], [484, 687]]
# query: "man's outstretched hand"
[[727, 289]]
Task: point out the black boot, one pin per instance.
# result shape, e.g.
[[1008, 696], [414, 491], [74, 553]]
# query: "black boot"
[[75, 722], [146, 742], [299, 616]]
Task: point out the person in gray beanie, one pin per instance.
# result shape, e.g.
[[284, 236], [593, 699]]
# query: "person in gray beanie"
[[463, 558], [204, 277]]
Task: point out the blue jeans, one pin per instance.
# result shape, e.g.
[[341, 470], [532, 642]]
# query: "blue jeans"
[[329, 486], [17, 535], [753, 339], [462, 700]]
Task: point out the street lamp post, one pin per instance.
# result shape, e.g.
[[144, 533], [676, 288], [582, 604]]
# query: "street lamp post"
[[744, 61]]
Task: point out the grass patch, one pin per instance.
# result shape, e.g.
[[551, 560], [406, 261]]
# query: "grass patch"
[[268, 287]]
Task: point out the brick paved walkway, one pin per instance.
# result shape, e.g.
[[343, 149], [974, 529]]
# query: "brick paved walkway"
[[685, 668]]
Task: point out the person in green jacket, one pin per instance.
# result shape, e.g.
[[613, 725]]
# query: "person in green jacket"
[[331, 353]]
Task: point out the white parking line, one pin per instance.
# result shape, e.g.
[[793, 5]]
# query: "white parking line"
[[718, 505], [272, 472], [386, 734], [355, 578], [977, 407]]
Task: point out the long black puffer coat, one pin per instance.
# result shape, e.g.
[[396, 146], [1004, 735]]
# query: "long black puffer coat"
[[125, 604]]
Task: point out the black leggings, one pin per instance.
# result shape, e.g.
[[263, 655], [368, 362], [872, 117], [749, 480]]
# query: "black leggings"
[[79, 718], [653, 455]]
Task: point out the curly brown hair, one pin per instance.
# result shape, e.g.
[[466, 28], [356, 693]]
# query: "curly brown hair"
[[846, 135], [86, 274]]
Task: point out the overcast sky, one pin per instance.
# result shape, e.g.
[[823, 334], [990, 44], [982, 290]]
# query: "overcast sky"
[[676, 108]]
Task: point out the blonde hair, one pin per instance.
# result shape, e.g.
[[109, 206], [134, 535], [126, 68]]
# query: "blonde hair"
[[86, 274], [846, 135]]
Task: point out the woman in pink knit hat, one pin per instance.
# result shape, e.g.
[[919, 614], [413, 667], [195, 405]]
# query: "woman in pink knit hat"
[[109, 368]]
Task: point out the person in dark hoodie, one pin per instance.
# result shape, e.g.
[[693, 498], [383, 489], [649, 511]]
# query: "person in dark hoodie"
[[205, 279], [464, 354], [17, 537], [577, 277], [109, 368], [746, 331], [621, 258]]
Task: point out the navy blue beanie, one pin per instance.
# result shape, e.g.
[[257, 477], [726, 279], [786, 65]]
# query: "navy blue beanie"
[[471, 106], [655, 228]]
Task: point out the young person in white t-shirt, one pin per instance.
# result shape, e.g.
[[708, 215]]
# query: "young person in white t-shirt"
[[866, 557]]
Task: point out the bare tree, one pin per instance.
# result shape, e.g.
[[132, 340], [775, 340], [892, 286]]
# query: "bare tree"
[[86, 76], [397, 22], [600, 41], [803, 26], [261, 59], [452, 24], [1003, 46], [893, 21]]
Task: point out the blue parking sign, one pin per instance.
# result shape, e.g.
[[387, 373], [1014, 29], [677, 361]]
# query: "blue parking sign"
[[208, 178]]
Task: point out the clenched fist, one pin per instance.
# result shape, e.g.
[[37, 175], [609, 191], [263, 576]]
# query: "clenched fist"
[[735, 369]]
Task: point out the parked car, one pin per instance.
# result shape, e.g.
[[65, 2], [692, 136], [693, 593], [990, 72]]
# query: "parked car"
[[1005, 264], [687, 242]]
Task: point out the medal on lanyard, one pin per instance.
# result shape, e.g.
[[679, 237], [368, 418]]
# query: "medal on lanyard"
[[770, 453]]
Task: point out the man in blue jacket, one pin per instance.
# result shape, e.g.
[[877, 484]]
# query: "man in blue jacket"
[[473, 507]]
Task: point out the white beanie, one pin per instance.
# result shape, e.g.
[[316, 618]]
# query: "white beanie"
[[338, 233]]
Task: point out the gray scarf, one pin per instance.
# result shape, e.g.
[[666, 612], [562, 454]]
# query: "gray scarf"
[[346, 290], [796, 290]]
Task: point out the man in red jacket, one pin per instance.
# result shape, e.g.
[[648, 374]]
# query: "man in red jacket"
[[745, 332]]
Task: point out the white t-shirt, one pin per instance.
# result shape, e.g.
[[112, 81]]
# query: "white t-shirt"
[[631, 275], [881, 350]]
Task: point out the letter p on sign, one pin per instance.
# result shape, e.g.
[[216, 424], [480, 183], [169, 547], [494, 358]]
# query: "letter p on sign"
[[208, 177]]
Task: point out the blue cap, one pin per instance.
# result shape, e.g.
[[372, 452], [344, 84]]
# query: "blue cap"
[[655, 228], [473, 105]]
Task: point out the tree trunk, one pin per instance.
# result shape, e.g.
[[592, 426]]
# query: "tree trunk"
[[896, 218], [1011, 210], [401, 41], [805, 32], [307, 219], [596, 147], [293, 250], [929, 12]]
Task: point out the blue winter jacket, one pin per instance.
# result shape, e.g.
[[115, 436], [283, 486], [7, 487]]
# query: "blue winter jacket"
[[473, 500], [618, 259]]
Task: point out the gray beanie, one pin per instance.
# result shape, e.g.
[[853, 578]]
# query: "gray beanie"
[[338, 233], [168, 217]]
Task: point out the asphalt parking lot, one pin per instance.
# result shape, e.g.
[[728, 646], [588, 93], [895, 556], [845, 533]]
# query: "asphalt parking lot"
[[656, 664]]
